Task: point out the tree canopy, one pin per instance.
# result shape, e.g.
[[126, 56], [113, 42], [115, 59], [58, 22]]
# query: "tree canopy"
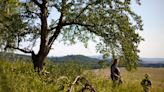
[[11, 24], [113, 22]]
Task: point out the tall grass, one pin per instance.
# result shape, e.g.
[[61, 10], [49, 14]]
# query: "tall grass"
[[19, 76]]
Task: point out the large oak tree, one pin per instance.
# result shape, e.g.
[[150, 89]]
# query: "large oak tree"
[[112, 22]]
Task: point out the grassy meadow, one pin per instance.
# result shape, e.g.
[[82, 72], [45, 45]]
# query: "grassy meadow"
[[19, 76], [131, 80]]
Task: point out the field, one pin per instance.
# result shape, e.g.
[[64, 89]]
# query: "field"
[[19, 76], [135, 77]]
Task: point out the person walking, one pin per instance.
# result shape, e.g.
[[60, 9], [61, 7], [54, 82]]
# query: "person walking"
[[146, 83], [115, 73]]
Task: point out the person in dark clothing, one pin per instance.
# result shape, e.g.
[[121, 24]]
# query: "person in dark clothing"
[[115, 73], [146, 83]]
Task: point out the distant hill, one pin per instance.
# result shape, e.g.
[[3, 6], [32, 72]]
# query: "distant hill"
[[14, 57], [152, 60], [87, 61], [78, 58], [143, 60], [91, 62]]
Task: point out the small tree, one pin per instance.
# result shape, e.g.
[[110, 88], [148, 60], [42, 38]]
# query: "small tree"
[[112, 21]]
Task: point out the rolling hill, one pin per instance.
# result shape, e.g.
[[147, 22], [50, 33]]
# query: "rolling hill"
[[85, 60]]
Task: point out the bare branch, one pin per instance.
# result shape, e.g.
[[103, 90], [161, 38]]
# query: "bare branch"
[[17, 48], [86, 85]]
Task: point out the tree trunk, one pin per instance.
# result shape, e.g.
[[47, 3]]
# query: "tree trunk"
[[38, 62], [45, 41], [38, 59]]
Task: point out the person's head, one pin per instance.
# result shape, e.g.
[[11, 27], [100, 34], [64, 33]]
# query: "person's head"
[[146, 76], [115, 61]]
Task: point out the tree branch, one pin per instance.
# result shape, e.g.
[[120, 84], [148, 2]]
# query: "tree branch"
[[77, 23], [61, 24], [87, 26], [17, 48], [82, 10], [56, 33], [52, 28], [37, 3], [86, 85]]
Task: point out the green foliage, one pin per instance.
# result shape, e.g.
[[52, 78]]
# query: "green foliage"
[[12, 27], [111, 21], [112, 24]]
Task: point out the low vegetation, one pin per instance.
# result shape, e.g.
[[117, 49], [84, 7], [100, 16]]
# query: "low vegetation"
[[19, 76]]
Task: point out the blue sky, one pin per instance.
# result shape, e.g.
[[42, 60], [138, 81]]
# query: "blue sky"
[[152, 13]]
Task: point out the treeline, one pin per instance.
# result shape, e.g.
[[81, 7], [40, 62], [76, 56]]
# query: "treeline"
[[157, 65]]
